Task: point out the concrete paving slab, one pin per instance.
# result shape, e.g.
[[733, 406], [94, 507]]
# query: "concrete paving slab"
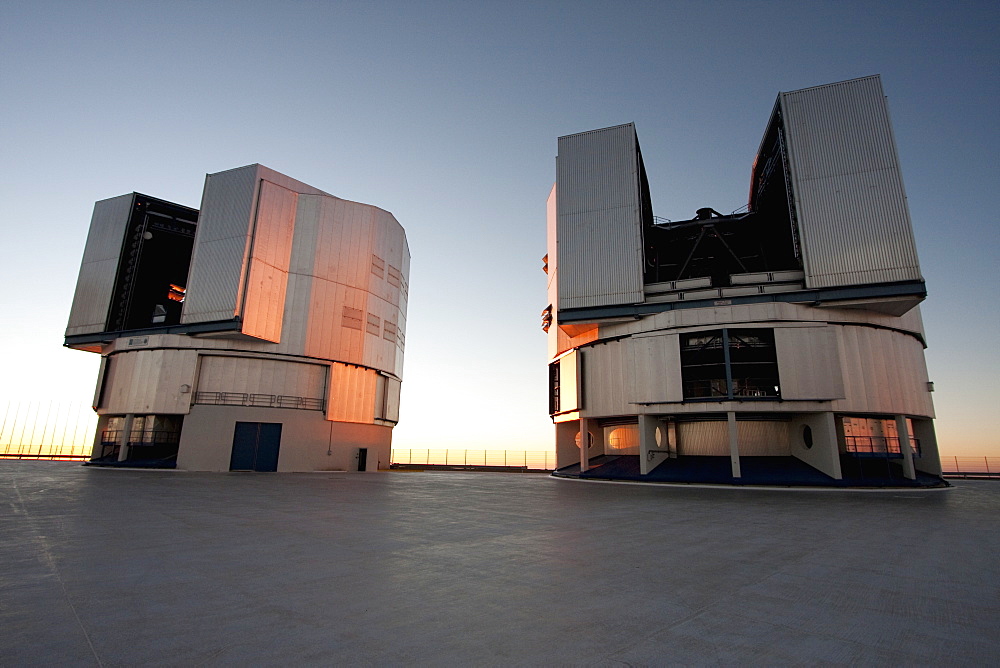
[[120, 567]]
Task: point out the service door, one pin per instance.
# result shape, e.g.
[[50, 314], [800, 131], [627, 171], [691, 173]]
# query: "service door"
[[255, 446]]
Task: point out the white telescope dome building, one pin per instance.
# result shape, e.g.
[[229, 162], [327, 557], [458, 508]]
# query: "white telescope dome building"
[[779, 344], [263, 331]]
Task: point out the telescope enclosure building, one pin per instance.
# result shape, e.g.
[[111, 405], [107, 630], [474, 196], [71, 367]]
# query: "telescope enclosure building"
[[780, 343], [263, 331]]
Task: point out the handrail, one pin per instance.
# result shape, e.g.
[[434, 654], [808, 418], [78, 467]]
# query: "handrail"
[[528, 460]]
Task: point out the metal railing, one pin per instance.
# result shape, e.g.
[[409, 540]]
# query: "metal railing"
[[532, 460], [141, 437], [33, 429], [971, 467], [44, 456], [258, 400], [878, 445]]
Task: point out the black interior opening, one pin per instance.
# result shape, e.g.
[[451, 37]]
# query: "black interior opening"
[[151, 283], [764, 238]]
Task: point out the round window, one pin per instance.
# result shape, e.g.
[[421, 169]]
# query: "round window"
[[807, 436]]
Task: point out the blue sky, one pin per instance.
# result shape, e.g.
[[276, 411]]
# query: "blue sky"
[[447, 115]]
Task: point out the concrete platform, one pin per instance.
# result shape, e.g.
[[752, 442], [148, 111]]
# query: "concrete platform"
[[122, 567]]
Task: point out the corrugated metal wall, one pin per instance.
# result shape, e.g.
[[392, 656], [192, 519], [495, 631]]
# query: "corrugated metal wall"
[[352, 394], [215, 281], [756, 438], [851, 206], [96, 283], [599, 232]]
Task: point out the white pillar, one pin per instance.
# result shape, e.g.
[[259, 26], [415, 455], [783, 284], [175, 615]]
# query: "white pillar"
[[584, 444], [734, 448], [126, 436], [903, 431], [647, 444], [828, 439]]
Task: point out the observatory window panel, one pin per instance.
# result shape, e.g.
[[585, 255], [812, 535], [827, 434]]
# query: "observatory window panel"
[[374, 324], [753, 362], [729, 364], [703, 366]]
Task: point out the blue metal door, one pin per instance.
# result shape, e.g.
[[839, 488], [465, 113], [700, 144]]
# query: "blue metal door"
[[255, 446]]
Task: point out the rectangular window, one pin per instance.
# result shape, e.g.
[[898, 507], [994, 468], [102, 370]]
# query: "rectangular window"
[[553, 388], [374, 324], [876, 437], [730, 364]]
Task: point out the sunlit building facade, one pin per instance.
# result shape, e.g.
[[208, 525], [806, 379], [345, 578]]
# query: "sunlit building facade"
[[779, 343], [263, 331]]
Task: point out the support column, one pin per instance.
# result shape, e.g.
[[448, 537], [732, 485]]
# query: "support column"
[[648, 452], [584, 444], [905, 447], [126, 437], [830, 441], [734, 447]]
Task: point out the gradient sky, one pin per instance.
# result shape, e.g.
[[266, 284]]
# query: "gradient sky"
[[447, 114]]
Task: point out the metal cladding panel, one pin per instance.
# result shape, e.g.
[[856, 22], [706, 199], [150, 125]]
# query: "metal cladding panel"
[[607, 379], [347, 258], [392, 388], [703, 438], [256, 375], [849, 197], [599, 228], [352, 394], [149, 382], [809, 363], [218, 261], [570, 381], [884, 372], [264, 298], [656, 369], [760, 438], [96, 282]]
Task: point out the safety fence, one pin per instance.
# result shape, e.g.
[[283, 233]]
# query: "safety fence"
[[42, 429], [537, 460], [971, 467], [47, 430]]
